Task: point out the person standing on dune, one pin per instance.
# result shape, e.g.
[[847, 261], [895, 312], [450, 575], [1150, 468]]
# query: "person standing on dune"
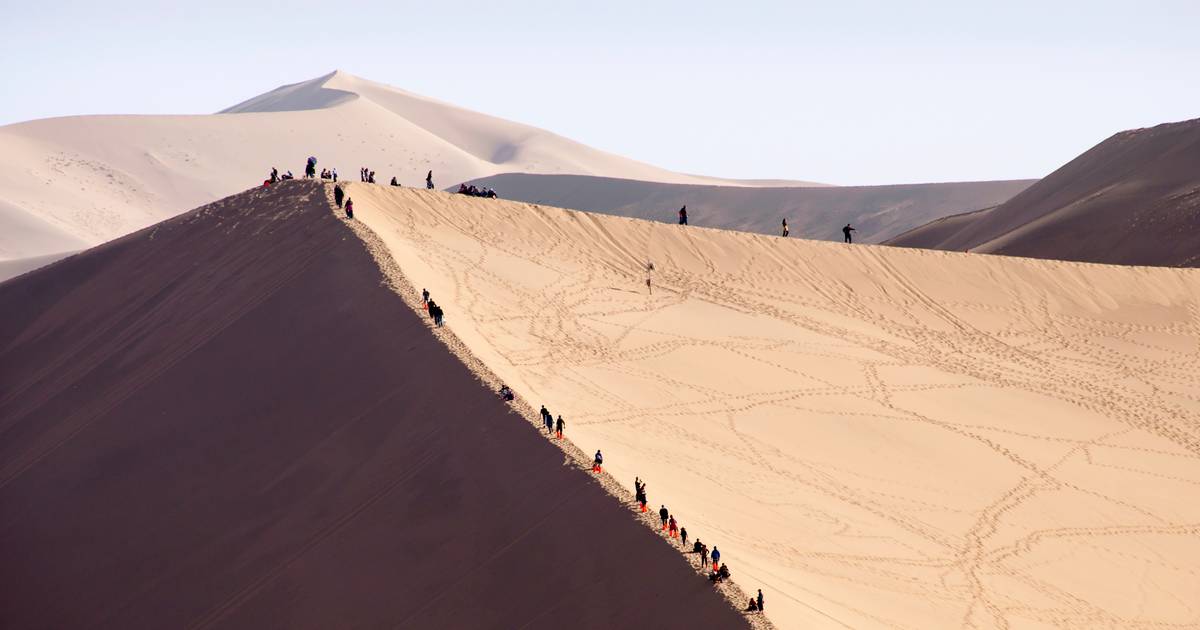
[[683, 216], [716, 556], [760, 600], [683, 537], [664, 514], [846, 232], [429, 181], [785, 228], [559, 428], [338, 195]]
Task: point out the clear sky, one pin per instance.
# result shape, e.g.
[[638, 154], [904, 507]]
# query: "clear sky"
[[845, 92]]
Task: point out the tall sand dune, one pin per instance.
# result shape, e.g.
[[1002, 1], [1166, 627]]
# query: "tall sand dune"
[[228, 421], [877, 212], [876, 437], [67, 183], [1133, 199]]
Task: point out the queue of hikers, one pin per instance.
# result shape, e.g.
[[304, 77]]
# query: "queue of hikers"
[[556, 426]]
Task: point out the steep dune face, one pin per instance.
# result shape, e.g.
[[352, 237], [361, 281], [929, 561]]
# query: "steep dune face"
[[1133, 199], [877, 437], [227, 420], [877, 212], [88, 179]]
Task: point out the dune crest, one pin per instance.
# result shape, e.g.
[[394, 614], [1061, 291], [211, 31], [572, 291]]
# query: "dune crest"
[[82, 180], [877, 437]]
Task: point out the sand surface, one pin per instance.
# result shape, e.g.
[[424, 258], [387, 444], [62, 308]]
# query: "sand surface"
[[1133, 199], [877, 437], [876, 212], [229, 421], [73, 182]]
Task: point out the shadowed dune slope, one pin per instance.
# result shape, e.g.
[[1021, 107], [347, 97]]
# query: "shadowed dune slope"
[[878, 437], [227, 420], [878, 212], [1133, 199]]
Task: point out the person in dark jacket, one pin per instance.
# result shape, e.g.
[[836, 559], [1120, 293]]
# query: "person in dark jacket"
[[429, 181], [559, 427], [339, 195], [716, 556], [664, 515], [683, 537], [598, 462], [683, 216], [846, 233], [760, 600]]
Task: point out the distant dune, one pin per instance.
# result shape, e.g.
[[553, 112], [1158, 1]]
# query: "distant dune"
[[1133, 199], [877, 437], [229, 421], [877, 212], [69, 183]]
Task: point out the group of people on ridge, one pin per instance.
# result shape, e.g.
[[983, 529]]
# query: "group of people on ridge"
[[435, 311], [554, 426], [472, 191], [718, 572]]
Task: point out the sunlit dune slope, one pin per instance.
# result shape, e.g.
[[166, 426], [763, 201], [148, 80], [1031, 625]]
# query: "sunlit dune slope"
[[877, 437]]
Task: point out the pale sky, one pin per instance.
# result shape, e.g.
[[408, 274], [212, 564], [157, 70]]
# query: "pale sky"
[[846, 92]]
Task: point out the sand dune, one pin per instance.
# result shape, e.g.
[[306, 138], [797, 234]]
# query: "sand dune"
[[227, 420], [1133, 199], [67, 183], [878, 212], [877, 437]]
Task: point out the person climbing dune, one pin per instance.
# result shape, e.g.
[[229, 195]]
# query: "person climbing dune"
[[338, 195], [349, 208]]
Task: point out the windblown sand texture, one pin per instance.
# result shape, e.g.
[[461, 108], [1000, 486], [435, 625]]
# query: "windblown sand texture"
[[877, 437]]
